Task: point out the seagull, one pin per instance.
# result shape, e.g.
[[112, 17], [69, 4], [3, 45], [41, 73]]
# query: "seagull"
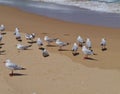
[[17, 34], [12, 66], [0, 42], [23, 47], [88, 43], [80, 41], [87, 52], [2, 27], [30, 36], [103, 43], [45, 52], [39, 42], [16, 30], [49, 40], [61, 44], [1, 37], [74, 48]]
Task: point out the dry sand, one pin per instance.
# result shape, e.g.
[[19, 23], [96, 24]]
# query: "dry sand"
[[61, 72]]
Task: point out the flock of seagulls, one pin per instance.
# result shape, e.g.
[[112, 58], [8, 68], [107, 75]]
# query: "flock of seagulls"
[[86, 46]]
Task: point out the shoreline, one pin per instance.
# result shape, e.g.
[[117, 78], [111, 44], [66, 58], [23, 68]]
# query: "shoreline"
[[72, 14]]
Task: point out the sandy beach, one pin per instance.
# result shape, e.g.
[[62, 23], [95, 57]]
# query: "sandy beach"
[[61, 72]]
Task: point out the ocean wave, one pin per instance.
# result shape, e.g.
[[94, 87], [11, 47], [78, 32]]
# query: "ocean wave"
[[109, 1], [94, 5]]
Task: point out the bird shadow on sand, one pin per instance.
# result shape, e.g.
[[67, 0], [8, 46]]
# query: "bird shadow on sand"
[[3, 33], [31, 42], [25, 50], [17, 74], [20, 40], [2, 52], [51, 45], [28, 49], [104, 49], [89, 58], [64, 50], [76, 54], [41, 48], [2, 43]]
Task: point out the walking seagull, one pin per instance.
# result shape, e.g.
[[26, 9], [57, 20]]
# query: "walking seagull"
[[49, 40], [12, 66], [30, 36], [23, 47], [61, 44], [87, 52]]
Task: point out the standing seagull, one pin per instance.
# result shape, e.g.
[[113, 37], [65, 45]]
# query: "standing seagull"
[[0, 42], [30, 36], [61, 44], [16, 30], [17, 34], [12, 66], [23, 47], [1, 38], [39, 42], [49, 40], [45, 52], [80, 41], [74, 49], [103, 44], [88, 43], [87, 52], [2, 27]]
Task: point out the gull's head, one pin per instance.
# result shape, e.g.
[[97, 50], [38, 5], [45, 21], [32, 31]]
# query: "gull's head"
[[38, 39], [18, 45], [88, 39], [33, 34], [75, 44], [7, 61], [79, 37], [57, 40], [45, 50], [2, 25], [84, 47], [46, 37], [103, 38], [16, 29]]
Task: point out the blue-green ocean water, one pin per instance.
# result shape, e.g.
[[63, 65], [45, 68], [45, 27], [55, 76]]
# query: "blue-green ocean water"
[[68, 11]]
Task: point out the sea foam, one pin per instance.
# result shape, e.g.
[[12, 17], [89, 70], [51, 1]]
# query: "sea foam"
[[99, 5]]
